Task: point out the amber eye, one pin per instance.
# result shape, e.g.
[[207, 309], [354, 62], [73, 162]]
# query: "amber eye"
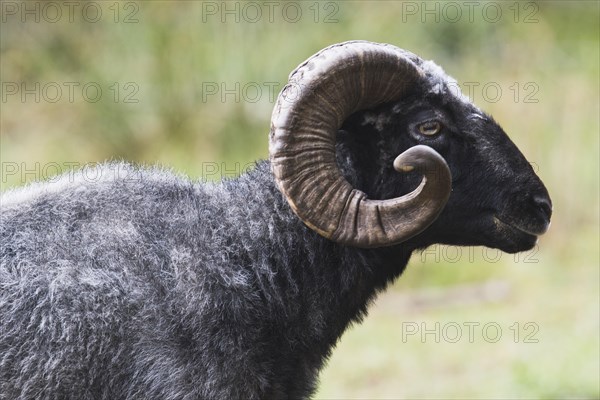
[[430, 128]]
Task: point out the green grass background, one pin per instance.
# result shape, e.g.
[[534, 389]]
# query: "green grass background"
[[175, 49]]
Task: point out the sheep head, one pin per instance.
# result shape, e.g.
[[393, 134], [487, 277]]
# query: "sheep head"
[[425, 164]]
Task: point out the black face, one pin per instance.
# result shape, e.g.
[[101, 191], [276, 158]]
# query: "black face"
[[497, 199]]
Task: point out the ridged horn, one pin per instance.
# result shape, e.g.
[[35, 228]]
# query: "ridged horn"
[[321, 93]]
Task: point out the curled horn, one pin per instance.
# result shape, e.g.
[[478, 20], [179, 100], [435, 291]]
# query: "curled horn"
[[321, 93]]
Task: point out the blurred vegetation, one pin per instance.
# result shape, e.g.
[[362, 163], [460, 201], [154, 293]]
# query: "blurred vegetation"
[[169, 58]]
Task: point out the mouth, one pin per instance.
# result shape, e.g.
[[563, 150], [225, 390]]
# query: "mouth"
[[516, 238], [531, 230]]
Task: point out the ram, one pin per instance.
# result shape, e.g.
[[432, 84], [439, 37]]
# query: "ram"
[[141, 284]]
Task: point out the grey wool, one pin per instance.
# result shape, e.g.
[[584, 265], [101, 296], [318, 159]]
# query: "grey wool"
[[126, 282], [139, 284]]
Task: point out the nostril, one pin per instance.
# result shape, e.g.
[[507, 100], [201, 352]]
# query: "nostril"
[[543, 203]]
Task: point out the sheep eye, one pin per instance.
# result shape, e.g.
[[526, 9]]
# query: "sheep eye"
[[430, 128]]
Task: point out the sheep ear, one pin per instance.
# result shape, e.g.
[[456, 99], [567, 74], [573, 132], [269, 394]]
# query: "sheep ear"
[[321, 93]]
